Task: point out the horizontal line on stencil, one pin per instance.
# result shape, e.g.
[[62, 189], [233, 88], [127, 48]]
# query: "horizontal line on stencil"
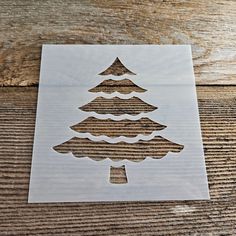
[[218, 174], [210, 141], [224, 170], [204, 123], [213, 163], [29, 130]]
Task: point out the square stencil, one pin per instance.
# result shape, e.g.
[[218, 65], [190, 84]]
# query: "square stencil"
[[117, 123]]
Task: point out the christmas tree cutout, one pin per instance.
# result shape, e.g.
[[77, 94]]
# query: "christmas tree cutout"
[[156, 147]]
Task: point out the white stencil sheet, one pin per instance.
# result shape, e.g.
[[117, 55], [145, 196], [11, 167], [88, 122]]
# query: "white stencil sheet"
[[65, 170]]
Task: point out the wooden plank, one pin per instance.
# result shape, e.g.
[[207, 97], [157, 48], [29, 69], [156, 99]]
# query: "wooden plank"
[[215, 217], [209, 26]]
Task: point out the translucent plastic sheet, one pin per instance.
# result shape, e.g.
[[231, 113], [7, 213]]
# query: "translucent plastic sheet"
[[117, 123]]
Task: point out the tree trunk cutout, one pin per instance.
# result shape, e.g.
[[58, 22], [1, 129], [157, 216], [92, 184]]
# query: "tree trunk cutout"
[[118, 175], [156, 148]]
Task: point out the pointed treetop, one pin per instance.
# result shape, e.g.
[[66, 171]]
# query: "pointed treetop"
[[117, 68]]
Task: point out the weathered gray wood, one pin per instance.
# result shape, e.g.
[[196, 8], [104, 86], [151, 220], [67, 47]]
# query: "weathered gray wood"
[[217, 217], [209, 26]]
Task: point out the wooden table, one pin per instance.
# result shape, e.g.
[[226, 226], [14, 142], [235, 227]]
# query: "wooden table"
[[208, 25]]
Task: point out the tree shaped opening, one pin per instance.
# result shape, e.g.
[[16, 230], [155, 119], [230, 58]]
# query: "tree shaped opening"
[[156, 147]]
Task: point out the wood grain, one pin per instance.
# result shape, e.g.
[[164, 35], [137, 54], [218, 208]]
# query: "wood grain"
[[156, 148], [118, 106], [118, 175], [209, 26], [124, 86], [111, 128], [215, 217]]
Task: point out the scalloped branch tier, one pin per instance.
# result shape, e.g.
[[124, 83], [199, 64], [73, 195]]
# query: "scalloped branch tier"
[[124, 86], [112, 128], [155, 148], [118, 106]]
